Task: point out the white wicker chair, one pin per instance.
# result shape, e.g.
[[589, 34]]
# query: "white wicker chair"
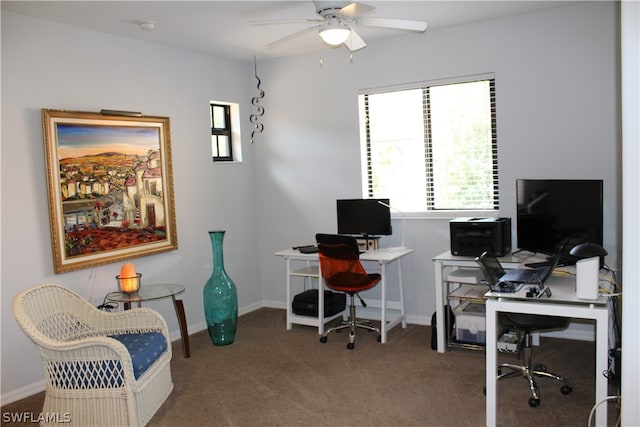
[[89, 376]]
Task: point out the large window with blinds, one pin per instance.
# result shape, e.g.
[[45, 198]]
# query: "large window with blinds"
[[432, 146]]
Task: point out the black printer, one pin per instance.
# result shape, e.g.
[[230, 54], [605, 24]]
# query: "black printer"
[[473, 236]]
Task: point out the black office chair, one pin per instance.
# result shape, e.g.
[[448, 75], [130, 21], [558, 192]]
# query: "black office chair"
[[524, 325], [342, 271]]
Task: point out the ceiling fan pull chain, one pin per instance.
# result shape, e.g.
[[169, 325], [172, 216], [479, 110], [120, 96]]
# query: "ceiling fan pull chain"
[[320, 51]]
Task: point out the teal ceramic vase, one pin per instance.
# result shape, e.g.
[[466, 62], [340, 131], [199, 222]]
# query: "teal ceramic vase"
[[220, 297]]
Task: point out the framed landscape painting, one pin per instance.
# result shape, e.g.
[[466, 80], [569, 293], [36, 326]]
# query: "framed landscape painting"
[[110, 187]]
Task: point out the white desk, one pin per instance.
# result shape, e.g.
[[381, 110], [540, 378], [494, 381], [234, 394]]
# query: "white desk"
[[446, 261], [563, 302], [383, 257]]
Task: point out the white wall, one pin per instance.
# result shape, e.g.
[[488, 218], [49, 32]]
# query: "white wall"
[[557, 117], [630, 47], [47, 65], [556, 85]]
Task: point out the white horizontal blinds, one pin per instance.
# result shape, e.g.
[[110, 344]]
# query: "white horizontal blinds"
[[461, 119], [432, 146], [494, 145], [367, 147], [428, 148], [395, 137]]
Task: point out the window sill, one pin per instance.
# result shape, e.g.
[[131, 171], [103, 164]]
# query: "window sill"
[[445, 214], [227, 162]]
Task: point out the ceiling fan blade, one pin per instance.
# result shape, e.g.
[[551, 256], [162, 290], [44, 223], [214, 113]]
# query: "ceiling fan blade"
[[284, 21], [356, 9], [354, 42], [398, 24], [291, 36]]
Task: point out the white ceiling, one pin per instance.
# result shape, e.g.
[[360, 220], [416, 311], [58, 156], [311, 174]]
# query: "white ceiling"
[[224, 28]]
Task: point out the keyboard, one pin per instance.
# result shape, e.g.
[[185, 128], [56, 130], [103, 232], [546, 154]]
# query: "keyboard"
[[539, 264], [522, 275], [564, 261], [307, 249]]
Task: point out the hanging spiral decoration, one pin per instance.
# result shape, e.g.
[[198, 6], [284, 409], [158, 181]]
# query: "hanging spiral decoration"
[[255, 101]]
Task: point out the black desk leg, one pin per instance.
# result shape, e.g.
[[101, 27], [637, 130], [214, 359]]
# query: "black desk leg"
[[182, 321]]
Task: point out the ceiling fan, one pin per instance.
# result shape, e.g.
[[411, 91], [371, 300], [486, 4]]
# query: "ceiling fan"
[[336, 23]]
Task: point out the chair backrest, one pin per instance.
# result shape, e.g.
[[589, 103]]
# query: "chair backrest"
[[50, 313], [340, 264], [332, 240]]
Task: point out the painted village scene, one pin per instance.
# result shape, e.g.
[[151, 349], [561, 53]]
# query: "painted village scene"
[[110, 186]]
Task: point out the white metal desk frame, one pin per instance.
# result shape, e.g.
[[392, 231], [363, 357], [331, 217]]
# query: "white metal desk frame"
[[562, 303], [382, 257], [441, 263]]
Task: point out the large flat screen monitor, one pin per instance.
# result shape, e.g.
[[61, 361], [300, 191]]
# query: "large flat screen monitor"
[[551, 211], [363, 217]]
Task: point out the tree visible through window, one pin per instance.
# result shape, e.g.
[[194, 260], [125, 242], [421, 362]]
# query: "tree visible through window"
[[433, 147]]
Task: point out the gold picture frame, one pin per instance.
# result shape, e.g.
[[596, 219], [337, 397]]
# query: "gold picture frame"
[[110, 187]]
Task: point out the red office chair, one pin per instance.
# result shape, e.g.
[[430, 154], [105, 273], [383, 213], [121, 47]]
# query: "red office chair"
[[342, 271]]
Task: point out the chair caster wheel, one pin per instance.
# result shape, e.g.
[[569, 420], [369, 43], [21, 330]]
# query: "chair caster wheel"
[[350, 346], [565, 389], [323, 339], [484, 391], [379, 339], [533, 402]]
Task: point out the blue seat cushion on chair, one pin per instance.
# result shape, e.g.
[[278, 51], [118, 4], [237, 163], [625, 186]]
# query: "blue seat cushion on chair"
[[144, 348]]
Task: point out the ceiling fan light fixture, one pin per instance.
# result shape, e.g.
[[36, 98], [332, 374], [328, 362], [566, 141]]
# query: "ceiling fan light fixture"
[[335, 33]]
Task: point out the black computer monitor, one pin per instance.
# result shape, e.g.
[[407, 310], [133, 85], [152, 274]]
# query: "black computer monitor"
[[551, 211], [363, 217]]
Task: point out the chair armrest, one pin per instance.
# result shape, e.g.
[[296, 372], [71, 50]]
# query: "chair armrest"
[[129, 321], [97, 324], [110, 346]]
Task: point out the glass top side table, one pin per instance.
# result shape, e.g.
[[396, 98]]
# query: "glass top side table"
[[155, 292]]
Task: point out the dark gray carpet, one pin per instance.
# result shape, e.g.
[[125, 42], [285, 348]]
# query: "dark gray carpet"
[[273, 377]]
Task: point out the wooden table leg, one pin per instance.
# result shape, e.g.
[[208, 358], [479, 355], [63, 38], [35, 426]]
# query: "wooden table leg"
[[182, 321]]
